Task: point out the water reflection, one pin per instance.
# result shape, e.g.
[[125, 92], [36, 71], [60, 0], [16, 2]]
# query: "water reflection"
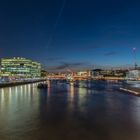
[[2, 98], [71, 92], [71, 96], [89, 110], [136, 112]]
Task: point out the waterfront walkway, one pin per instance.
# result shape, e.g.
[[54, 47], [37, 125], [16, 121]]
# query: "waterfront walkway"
[[8, 84]]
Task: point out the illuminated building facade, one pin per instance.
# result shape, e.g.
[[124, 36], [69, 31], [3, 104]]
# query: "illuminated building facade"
[[20, 67], [133, 75], [86, 73], [106, 73]]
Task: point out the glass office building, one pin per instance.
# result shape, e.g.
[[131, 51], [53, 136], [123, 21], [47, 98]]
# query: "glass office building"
[[20, 67]]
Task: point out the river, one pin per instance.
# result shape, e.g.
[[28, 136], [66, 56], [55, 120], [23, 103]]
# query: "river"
[[95, 111]]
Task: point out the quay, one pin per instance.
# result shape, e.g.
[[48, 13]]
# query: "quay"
[[134, 91], [75, 77], [8, 84]]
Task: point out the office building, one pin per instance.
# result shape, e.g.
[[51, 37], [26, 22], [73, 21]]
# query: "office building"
[[20, 68]]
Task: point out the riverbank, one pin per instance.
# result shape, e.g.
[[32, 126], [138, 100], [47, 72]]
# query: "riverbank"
[[131, 90], [19, 83]]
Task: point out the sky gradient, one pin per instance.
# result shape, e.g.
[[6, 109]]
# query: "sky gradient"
[[62, 33]]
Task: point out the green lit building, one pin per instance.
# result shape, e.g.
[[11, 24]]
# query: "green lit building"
[[20, 67]]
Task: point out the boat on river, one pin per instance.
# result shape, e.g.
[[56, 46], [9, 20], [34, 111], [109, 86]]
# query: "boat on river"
[[42, 85]]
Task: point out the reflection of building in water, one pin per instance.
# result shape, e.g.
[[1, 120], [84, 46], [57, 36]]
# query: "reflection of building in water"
[[82, 98], [49, 88], [2, 97], [5, 97], [133, 74], [71, 91], [71, 97], [136, 114]]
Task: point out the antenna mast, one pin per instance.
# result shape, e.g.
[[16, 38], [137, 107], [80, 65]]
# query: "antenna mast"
[[134, 52]]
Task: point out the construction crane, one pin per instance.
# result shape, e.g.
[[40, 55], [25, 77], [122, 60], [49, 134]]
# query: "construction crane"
[[70, 76]]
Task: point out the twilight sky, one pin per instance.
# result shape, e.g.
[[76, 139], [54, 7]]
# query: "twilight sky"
[[71, 33]]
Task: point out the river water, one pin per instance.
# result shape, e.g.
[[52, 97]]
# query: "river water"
[[91, 111]]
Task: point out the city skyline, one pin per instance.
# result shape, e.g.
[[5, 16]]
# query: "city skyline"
[[68, 33]]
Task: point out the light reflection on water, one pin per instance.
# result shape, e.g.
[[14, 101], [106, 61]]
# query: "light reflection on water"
[[90, 111], [136, 85]]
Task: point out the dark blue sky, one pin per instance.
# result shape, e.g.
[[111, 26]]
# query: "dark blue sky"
[[71, 32]]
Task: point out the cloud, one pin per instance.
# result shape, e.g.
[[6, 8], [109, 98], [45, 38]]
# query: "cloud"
[[64, 66], [61, 67], [111, 53]]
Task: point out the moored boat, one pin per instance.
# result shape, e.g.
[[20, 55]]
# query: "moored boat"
[[42, 85]]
